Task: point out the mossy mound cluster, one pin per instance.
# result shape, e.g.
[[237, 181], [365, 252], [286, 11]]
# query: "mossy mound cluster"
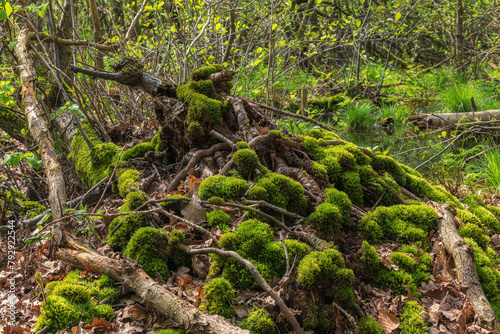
[[329, 217], [326, 270], [219, 297], [128, 223], [402, 223], [218, 219], [414, 267], [411, 319], [227, 188], [157, 252], [254, 241], [204, 107], [246, 162], [258, 322], [76, 299]]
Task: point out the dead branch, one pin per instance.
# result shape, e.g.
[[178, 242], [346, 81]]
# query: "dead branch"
[[190, 224], [258, 277], [275, 208], [153, 295], [39, 128], [224, 139], [194, 160], [241, 115], [289, 114], [463, 254], [223, 76]]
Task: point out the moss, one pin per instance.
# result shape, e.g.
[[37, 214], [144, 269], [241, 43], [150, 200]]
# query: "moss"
[[283, 192], [175, 205], [473, 200], [351, 185], [369, 326], [129, 224], [127, 179], [31, 208], [216, 201], [326, 219], [219, 219], [76, 299], [415, 267], [345, 159], [242, 145], [219, 298], [276, 133], [327, 267], [196, 129], [340, 200], [361, 158], [369, 257], [319, 170], [228, 188], [204, 72], [202, 105], [258, 322], [411, 319], [246, 161], [485, 261], [172, 331], [258, 193], [254, 241], [91, 171], [399, 222], [468, 217], [410, 171], [475, 233], [494, 210], [155, 253], [422, 188], [137, 151], [383, 163], [487, 219]]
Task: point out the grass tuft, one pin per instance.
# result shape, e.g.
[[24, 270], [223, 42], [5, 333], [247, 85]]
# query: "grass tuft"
[[358, 115]]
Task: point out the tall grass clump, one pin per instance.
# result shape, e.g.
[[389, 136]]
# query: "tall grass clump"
[[492, 168], [457, 98], [358, 115], [397, 111]]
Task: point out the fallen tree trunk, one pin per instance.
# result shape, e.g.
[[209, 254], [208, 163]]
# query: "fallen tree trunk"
[[153, 294], [433, 121], [463, 255]]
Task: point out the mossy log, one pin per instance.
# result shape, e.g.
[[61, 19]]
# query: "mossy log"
[[463, 254], [446, 120], [152, 293]]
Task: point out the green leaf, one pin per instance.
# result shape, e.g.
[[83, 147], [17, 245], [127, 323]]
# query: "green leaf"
[[8, 9], [3, 15], [398, 16]]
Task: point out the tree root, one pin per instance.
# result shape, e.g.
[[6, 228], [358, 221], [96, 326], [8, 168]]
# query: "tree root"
[[463, 254]]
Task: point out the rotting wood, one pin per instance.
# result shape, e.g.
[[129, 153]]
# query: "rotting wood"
[[153, 294], [433, 121], [241, 115], [463, 255]]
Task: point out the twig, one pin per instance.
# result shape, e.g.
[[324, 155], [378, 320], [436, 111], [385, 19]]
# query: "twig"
[[194, 160], [289, 114], [226, 140], [441, 152], [274, 207], [256, 274], [92, 189], [191, 224], [287, 261]]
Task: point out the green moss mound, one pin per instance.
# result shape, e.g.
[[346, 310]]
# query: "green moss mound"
[[246, 161], [254, 241], [282, 191], [369, 326], [327, 269], [411, 320], [327, 219], [227, 188], [76, 299], [370, 258], [218, 219], [137, 151], [127, 179], [402, 223], [219, 297], [156, 252], [258, 322], [172, 331], [204, 72], [415, 267]]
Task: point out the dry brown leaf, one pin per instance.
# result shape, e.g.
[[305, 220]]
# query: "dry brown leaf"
[[136, 312], [388, 321]]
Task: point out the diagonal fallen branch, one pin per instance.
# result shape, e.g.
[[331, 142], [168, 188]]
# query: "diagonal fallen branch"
[[463, 254]]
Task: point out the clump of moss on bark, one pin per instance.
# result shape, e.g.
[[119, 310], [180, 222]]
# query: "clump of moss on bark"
[[258, 322], [76, 299]]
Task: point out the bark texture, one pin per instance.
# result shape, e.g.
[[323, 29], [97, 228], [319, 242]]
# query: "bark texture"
[[431, 121], [463, 255]]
